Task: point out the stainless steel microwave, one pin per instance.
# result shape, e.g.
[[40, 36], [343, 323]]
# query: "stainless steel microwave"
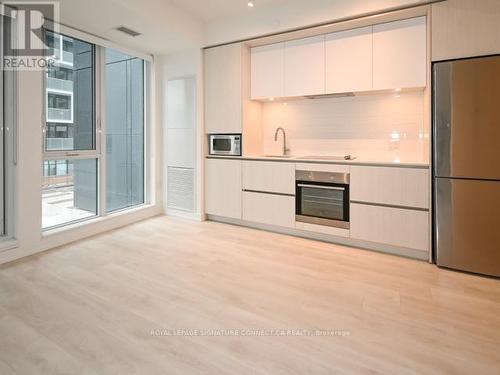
[[225, 144]]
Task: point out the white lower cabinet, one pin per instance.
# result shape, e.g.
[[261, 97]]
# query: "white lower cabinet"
[[392, 226], [392, 206], [223, 187], [269, 209]]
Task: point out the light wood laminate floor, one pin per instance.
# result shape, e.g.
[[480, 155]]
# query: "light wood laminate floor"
[[90, 307]]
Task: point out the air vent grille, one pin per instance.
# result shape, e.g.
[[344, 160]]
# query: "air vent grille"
[[180, 188], [128, 31]]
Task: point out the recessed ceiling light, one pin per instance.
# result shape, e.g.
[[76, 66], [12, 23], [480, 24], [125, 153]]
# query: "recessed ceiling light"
[[250, 4]]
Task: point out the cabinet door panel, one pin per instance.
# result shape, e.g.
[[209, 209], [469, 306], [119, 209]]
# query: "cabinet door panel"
[[305, 66], [391, 226], [400, 54], [223, 187], [349, 61], [223, 89], [267, 71]]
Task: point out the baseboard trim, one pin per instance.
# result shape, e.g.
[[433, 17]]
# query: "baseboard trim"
[[382, 248], [185, 214]]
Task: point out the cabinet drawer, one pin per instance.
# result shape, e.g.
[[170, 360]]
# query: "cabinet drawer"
[[269, 176], [269, 209], [391, 226], [408, 187]]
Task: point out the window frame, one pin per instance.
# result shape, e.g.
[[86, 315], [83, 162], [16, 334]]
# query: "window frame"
[[71, 155], [96, 82], [2, 134], [71, 106], [99, 153], [9, 134]]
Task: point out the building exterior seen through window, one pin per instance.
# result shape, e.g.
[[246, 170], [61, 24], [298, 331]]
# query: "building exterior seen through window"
[[70, 95]]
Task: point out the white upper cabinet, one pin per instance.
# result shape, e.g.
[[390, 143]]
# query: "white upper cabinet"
[[223, 89], [400, 54], [267, 71], [381, 57], [305, 66], [349, 61]]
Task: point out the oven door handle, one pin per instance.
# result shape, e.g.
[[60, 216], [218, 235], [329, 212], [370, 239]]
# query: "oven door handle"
[[321, 187]]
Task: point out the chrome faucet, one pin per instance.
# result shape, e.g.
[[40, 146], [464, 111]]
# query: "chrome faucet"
[[285, 150]]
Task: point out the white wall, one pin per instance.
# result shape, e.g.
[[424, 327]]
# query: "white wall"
[[290, 14], [375, 127], [178, 65]]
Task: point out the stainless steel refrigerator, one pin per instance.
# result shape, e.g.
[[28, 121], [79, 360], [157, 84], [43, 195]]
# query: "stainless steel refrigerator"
[[466, 153]]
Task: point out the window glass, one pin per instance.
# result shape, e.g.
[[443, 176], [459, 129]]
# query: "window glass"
[[70, 185], [70, 94], [124, 131], [69, 191]]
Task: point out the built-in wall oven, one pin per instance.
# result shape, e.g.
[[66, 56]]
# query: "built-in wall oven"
[[224, 144], [322, 198]]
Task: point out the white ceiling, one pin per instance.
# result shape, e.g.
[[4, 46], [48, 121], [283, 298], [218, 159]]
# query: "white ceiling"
[[276, 16], [174, 25], [208, 10], [164, 26]]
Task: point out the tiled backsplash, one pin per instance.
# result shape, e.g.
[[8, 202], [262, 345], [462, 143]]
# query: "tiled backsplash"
[[388, 126]]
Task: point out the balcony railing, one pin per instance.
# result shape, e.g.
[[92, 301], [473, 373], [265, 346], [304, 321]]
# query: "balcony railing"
[[67, 57], [59, 144], [55, 115], [59, 84], [64, 57]]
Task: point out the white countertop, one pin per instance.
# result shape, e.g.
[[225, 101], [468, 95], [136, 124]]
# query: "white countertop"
[[375, 161]]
